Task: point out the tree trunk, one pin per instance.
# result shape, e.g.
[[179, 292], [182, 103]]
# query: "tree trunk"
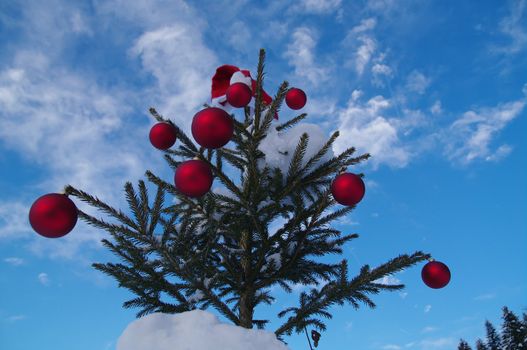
[[247, 293], [246, 309]]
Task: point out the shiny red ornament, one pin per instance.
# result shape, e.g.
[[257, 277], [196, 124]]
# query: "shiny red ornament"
[[193, 178], [53, 215], [239, 95], [295, 98], [212, 127], [348, 189], [162, 135], [435, 274]]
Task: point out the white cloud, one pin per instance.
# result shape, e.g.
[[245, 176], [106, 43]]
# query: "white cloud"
[[514, 28], [381, 69], [417, 82], [320, 6], [16, 318], [364, 126], [388, 280], [79, 25], [149, 14], [487, 296], [438, 343], [363, 43], [380, 5], [69, 127], [469, 137], [43, 278], [300, 53], [14, 261], [183, 83], [429, 329], [239, 35], [13, 220], [427, 308], [193, 330], [364, 53], [364, 26], [391, 347], [436, 108]]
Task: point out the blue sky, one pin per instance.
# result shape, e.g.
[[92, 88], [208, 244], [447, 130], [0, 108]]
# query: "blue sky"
[[435, 90]]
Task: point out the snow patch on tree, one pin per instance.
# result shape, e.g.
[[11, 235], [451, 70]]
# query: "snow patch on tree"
[[279, 147], [193, 330]]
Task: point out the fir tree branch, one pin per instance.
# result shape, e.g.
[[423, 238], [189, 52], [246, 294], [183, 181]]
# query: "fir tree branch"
[[321, 152], [96, 202], [291, 122], [156, 210], [338, 291], [273, 109], [259, 83], [298, 156]]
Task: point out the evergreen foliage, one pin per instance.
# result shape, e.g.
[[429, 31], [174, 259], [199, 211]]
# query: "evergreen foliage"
[[216, 251], [513, 334], [463, 345], [493, 338]]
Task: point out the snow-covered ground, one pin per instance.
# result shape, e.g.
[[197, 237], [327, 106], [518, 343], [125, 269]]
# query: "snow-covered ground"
[[193, 330]]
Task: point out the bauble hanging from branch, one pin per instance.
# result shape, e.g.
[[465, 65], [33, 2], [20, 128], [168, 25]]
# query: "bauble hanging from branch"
[[212, 127], [348, 189], [435, 274], [53, 215], [193, 178], [239, 95], [162, 135], [295, 98]]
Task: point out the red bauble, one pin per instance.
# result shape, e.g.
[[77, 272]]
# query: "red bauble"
[[53, 215], [239, 95], [193, 178], [162, 135], [295, 98], [348, 189], [435, 274], [212, 127]]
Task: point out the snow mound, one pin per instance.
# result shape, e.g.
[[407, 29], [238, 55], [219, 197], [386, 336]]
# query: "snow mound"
[[193, 330]]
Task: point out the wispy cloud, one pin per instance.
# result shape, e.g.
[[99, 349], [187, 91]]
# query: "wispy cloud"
[[388, 280], [362, 40], [14, 261], [391, 347], [438, 343], [470, 137], [436, 108], [15, 318], [301, 55], [371, 131], [429, 329], [319, 6], [487, 296], [13, 220], [513, 27], [427, 308], [182, 84], [43, 278], [417, 82]]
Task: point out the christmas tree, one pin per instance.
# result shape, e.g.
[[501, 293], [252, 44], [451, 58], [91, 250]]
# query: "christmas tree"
[[211, 250], [513, 334]]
